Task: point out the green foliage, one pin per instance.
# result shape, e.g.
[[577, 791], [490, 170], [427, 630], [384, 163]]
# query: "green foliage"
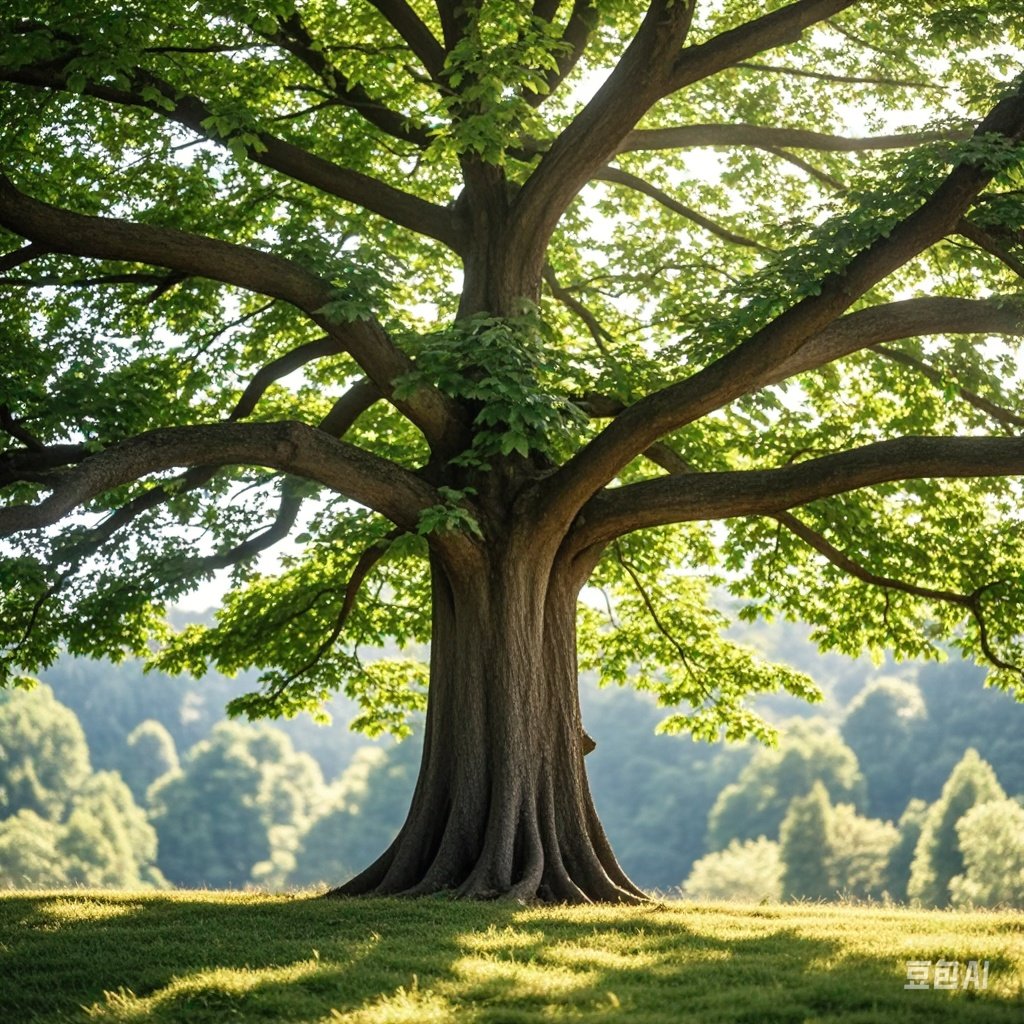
[[233, 813], [101, 350], [44, 759], [151, 756], [756, 804], [661, 633], [510, 370], [749, 871], [938, 857], [879, 727], [991, 837], [804, 846]]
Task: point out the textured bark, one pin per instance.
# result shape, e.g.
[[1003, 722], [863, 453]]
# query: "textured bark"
[[502, 807]]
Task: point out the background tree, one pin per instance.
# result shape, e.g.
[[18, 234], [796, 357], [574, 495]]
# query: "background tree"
[[367, 806], [438, 288], [239, 801], [880, 729], [859, 849], [938, 857], [30, 857], [756, 803], [61, 824], [750, 871], [804, 847], [106, 840], [901, 856], [151, 754], [991, 837], [44, 759]]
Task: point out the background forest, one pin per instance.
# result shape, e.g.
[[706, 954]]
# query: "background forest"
[[905, 784]]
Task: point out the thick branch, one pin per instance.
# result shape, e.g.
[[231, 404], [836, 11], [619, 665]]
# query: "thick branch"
[[407, 24], [592, 138], [758, 359], [724, 495], [281, 367], [785, 25], [372, 194], [765, 137], [108, 238], [910, 318], [291, 447]]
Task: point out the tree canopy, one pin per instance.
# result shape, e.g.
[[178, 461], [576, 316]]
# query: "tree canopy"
[[477, 303]]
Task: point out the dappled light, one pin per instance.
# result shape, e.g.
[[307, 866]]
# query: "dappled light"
[[207, 957]]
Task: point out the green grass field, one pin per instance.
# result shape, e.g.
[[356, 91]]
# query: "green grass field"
[[216, 957]]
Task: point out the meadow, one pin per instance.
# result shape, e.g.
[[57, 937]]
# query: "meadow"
[[206, 957]]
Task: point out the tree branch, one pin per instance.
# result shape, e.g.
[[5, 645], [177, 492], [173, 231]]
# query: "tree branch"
[[363, 567], [981, 238], [909, 318], [767, 137], [291, 447], [574, 38], [785, 25], [107, 238], [971, 601], [724, 495], [406, 22], [593, 136], [822, 76], [620, 177], [403, 208], [1009, 419], [758, 360], [293, 37]]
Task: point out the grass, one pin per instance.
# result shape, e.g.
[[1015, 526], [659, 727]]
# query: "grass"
[[201, 957]]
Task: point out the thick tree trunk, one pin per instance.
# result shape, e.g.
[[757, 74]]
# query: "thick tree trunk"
[[502, 807]]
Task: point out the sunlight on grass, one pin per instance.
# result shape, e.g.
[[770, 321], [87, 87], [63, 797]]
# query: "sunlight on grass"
[[203, 958]]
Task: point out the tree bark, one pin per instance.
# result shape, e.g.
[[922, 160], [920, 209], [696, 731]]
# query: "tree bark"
[[502, 807]]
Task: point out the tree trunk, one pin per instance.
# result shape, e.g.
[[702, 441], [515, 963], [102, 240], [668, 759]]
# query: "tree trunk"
[[502, 807]]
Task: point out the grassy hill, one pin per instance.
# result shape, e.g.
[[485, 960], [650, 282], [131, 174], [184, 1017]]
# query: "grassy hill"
[[214, 957]]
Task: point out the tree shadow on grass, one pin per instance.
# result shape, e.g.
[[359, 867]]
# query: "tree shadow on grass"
[[206, 958]]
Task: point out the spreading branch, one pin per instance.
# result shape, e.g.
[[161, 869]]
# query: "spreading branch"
[[724, 495], [620, 177], [571, 46], [757, 360], [108, 238], [290, 447], [294, 37], [1011, 420], [909, 318], [692, 136], [406, 22], [401, 207]]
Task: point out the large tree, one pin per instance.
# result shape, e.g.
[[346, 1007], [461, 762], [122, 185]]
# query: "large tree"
[[484, 301]]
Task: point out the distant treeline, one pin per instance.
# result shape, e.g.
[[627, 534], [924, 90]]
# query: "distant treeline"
[[116, 778]]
